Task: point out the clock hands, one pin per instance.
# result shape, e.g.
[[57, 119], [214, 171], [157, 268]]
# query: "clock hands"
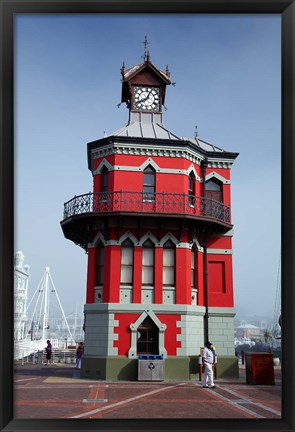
[[147, 97]]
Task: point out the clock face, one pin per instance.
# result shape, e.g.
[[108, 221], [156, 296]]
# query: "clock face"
[[147, 98]]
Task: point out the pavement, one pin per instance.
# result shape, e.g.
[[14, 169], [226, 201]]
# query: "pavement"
[[57, 391]]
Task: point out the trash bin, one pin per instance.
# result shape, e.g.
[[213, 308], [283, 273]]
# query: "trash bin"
[[151, 368], [259, 368]]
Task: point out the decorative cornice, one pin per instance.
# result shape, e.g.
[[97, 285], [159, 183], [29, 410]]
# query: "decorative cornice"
[[172, 152]]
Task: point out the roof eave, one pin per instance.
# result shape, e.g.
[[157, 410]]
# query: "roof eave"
[[161, 141]]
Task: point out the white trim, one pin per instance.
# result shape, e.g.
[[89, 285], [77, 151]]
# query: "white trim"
[[184, 246], [148, 236], [223, 312], [132, 353], [94, 308], [219, 177], [219, 163], [128, 235], [192, 169], [220, 251], [98, 237], [158, 169], [168, 151], [199, 248], [103, 163], [112, 243], [143, 166], [167, 237]]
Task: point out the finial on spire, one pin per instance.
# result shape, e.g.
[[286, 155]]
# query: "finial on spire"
[[196, 132], [167, 72], [123, 69], [146, 55]]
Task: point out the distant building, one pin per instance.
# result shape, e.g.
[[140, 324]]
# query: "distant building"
[[21, 279], [248, 331]]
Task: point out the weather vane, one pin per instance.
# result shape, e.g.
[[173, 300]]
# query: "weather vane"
[[146, 51]]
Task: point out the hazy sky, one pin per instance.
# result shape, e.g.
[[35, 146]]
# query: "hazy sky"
[[67, 87]]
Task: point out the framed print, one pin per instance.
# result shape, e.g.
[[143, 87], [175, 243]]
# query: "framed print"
[[201, 91]]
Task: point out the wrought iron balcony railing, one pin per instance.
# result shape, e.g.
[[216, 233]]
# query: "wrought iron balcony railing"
[[139, 202]]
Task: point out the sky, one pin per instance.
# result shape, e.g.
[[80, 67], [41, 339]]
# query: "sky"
[[226, 70]]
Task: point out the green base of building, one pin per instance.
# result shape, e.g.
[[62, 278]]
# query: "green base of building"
[[120, 368]]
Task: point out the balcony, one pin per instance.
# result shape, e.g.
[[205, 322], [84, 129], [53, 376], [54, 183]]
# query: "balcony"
[[83, 214], [142, 204]]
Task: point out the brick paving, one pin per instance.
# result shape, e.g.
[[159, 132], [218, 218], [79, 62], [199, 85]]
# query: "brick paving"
[[57, 391]]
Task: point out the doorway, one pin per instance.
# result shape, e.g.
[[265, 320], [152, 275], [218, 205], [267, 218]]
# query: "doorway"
[[147, 337]]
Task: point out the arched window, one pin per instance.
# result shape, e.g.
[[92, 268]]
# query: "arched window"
[[147, 337], [100, 264], [191, 189], [149, 181], [169, 264], [214, 190], [148, 258], [127, 263]]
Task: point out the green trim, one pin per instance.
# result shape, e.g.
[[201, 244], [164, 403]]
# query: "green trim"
[[185, 368]]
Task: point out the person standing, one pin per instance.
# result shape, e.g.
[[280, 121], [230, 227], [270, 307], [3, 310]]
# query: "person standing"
[[208, 361], [79, 354], [48, 351]]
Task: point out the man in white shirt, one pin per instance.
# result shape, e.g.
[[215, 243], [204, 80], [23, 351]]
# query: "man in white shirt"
[[208, 360]]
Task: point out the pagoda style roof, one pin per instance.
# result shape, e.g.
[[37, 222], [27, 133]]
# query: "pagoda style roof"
[[137, 129], [134, 70]]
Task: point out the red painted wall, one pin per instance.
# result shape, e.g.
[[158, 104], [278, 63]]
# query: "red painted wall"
[[165, 182], [91, 274], [220, 283], [170, 336], [111, 275], [183, 276], [219, 266], [124, 333], [219, 243]]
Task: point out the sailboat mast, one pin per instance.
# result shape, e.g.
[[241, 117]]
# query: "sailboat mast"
[[45, 310]]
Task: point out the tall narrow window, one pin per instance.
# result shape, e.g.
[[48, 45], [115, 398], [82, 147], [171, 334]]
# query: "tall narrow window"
[[149, 184], [193, 274], [100, 264], [104, 183], [148, 257], [214, 190], [127, 263], [214, 206], [191, 189], [169, 264]]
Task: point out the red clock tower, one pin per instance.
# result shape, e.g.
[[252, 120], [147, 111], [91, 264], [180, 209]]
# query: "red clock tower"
[[158, 232]]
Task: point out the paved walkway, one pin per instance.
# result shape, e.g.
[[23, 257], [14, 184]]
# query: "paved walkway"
[[57, 391]]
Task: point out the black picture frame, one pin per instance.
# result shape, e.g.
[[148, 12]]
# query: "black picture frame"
[[9, 8]]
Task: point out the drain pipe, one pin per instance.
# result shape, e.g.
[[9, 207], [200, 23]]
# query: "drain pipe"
[[204, 241]]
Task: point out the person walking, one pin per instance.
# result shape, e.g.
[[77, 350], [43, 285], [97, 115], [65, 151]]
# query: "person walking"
[[48, 351], [208, 361], [79, 354]]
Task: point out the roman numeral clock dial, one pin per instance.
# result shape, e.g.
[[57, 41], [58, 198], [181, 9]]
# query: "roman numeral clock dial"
[[147, 98]]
